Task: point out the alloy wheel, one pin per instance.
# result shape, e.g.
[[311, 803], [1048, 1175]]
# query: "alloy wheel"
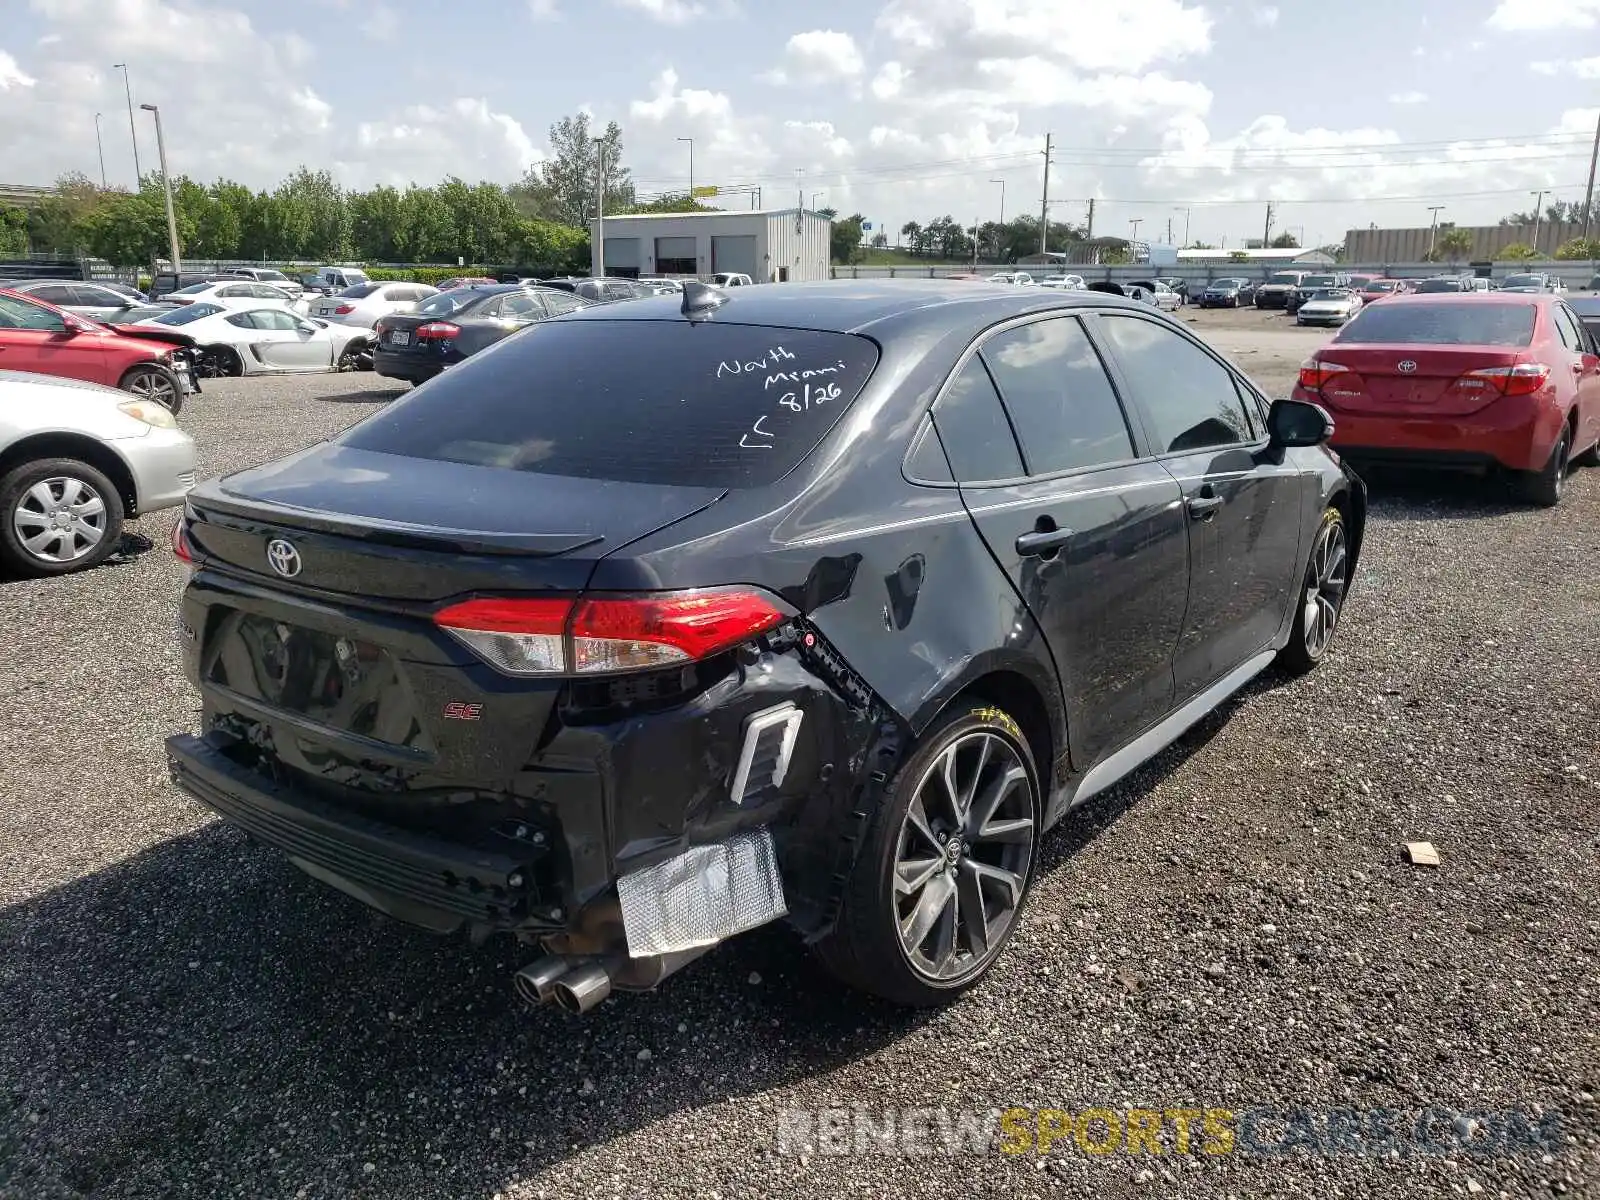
[[60, 520], [1326, 580], [153, 385], [963, 856]]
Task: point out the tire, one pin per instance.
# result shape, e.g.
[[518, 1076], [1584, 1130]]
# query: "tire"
[[31, 499], [151, 382], [1590, 457], [219, 362], [1544, 488], [1323, 587], [357, 356], [902, 872]]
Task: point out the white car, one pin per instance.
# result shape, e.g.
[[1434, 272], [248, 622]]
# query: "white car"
[[363, 304], [265, 340], [1015, 278], [1064, 283], [1330, 306], [727, 279], [1154, 292], [271, 277], [109, 456], [235, 293]]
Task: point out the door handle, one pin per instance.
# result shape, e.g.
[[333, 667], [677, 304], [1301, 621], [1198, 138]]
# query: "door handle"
[[1041, 542], [1202, 507]]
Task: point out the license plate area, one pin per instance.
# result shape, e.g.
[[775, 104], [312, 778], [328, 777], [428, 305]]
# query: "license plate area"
[[335, 680], [400, 337]]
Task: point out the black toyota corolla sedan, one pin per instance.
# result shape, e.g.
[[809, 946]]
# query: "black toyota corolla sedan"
[[817, 603], [454, 325]]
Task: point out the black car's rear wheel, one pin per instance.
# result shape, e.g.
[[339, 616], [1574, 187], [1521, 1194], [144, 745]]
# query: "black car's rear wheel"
[[1321, 597], [947, 863]]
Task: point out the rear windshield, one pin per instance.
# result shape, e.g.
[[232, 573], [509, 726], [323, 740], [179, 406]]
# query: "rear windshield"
[[664, 402], [1380, 285], [360, 290], [1286, 277], [1463, 324], [449, 302], [188, 313], [1441, 285], [1318, 281], [1522, 281]]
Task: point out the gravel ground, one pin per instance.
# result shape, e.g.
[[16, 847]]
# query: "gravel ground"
[[183, 1014]]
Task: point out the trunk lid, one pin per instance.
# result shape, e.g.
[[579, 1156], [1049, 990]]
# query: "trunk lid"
[[1414, 379], [387, 527]]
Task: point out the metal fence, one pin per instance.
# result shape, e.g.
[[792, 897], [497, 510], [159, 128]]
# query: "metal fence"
[[1574, 274]]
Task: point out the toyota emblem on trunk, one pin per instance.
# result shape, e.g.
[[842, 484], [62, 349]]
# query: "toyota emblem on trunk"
[[283, 558], [1405, 366]]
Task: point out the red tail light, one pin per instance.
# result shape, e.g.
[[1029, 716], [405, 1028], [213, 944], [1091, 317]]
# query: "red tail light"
[[438, 330], [344, 310], [1314, 373], [609, 634], [180, 542], [1524, 379]]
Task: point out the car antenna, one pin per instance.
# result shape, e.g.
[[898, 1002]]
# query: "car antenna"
[[700, 300]]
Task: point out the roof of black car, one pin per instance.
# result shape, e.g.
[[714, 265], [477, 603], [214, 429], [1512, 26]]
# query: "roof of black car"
[[856, 305]]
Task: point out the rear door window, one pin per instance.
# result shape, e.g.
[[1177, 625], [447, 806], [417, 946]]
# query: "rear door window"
[[973, 429], [1477, 323], [1567, 328], [1062, 404], [669, 402]]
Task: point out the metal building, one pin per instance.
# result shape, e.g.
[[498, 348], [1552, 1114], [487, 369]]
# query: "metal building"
[[770, 246]]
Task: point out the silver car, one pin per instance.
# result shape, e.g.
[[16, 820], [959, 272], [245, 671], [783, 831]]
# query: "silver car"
[[90, 300], [109, 457]]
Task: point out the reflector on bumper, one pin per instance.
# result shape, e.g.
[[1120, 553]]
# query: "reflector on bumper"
[[702, 896]]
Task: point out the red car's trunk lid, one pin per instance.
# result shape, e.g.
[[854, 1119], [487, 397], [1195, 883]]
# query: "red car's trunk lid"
[[1411, 379]]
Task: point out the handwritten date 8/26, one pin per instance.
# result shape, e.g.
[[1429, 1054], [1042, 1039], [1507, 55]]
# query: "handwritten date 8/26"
[[807, 397]]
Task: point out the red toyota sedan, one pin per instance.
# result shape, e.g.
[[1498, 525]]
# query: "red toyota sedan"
[[1477, 382], [46, 340]]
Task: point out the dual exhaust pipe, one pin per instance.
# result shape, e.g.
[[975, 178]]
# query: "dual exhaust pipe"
[[577, 986]]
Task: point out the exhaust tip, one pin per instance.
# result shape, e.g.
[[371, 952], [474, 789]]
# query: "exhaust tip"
[[583, 988], [535, 983]]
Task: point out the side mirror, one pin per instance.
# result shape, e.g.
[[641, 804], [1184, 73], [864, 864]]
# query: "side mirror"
[[1298, 423]]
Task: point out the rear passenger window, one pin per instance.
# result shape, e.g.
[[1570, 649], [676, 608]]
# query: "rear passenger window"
[[1190, 397], [1060, 400], [973, 429], [1567, 328]]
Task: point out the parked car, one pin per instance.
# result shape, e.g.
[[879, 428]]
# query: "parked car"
[[1587, 310], [364, 303], [86, 299], [271, 276], [235, 293], [46, 340], [1227, 293], [1014, 278], [164, 283], [1070, 283], [1505, 382], [123, 289], [1533, 281], [1378, 289], [663, 283], [335, 280], [1275, 292], [1308, 287], [265, 340], [460, 281], [1180, 286], [731, 279], [1330, 306], [455, 325], [1154, 292], [1443, 285], [602, 291], [660, 621], [76, 460], [312, 284]]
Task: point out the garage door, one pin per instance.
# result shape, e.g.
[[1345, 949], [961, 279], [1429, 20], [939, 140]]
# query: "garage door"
[[730, 253], [622, 257], [677, 256]]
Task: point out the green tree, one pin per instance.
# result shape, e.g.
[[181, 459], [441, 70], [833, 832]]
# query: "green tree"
[[1516, 252], [1454, 242], [563, 187], [13, 230], [60, 222], [129, 230], [219, 227], [315, 223], [375, 224], [1285, 241], [551, 248], [673, 202], [1579, 248], [912, 232], [844, 236], [426, 232]]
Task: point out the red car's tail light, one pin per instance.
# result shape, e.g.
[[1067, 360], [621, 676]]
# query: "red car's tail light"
[[180, 542], [344, 310], [1314, 373], [1524, 379], [438, 330], [622, 633]]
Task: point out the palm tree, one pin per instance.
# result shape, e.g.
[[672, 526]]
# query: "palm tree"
[[912, 232]]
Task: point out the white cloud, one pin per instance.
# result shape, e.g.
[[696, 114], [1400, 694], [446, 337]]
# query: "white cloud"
[[1583, 68], [891, 77], [818, 56], [1539, 16], [1266, 16], [418, 143], [381, 24], [668, 12], [543, 10], [1409, 98], [11, 76]]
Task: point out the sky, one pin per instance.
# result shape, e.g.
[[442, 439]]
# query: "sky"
[[1344, 115]]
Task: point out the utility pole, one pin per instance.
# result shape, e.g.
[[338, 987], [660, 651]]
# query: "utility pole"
[[1169, 231], [100, 146], [691, 165], [1185, 212], [597, 252], [975, 221], [132, 130], [1266, 232], [1088, 233], [166, 186], [1133, 234], [1002, 184], [1433, 229], [1538, 215], [1044, 203], [1588, 192]]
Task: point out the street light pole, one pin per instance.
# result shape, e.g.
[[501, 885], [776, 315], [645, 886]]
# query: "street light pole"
[[1185, 212], [691, 165], [1433, 228], [100, 147], [814, 196], [138, 175], [597, 252], [166, 186], [1538, 214]]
